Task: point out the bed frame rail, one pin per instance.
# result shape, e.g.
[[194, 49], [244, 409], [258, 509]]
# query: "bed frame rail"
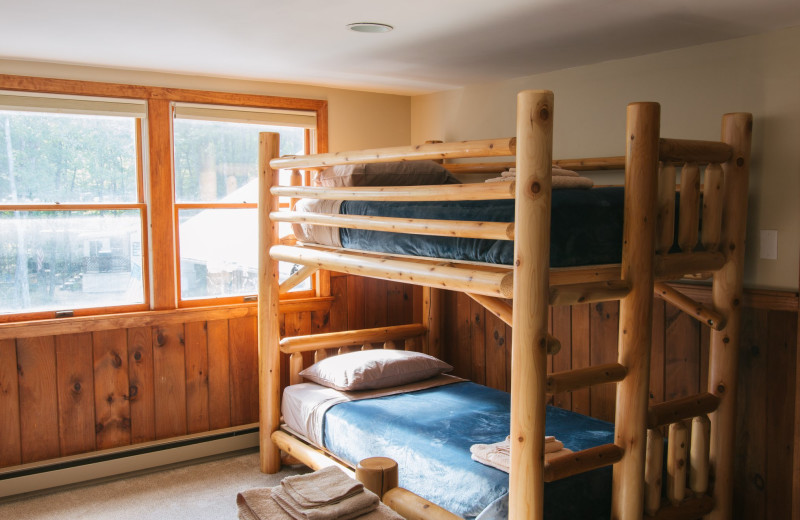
[[386, 337], [503, 147]]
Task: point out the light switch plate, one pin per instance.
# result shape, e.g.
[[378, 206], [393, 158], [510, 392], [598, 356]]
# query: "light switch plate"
[[769, 244]]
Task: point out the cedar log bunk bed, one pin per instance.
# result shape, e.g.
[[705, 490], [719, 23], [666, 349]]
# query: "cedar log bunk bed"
[[699, 465]]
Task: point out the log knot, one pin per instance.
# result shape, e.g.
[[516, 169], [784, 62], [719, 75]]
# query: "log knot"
[[544, 113]]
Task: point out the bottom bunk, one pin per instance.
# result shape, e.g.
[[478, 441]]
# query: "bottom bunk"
[[429, 433]]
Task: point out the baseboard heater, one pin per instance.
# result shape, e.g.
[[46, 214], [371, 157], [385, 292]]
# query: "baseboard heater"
[[102, 464]]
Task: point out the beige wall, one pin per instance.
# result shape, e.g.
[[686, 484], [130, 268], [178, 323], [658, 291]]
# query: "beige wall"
[[695, 86], [356, 119]]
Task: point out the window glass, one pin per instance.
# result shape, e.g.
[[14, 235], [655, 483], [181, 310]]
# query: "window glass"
[[67, 158], [219, 255], [90, 254], [217, 161], [51, 260], [216, 164]]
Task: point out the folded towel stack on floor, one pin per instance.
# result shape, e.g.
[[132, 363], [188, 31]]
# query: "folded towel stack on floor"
[[327, 494], [562, 179], [498, 455]]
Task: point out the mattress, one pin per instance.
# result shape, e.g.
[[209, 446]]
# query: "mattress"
[[586, 228], [429, 433]]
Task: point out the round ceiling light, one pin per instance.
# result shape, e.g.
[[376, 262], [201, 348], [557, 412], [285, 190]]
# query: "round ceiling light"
[[369, 27]]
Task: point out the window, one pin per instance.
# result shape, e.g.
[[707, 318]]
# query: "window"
[[117, 198], [216, 195], [72, 213]]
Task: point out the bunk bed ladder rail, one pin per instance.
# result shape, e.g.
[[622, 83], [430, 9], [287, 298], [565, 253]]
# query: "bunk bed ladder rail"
[[700, 427], [726, 299], [638, 262]]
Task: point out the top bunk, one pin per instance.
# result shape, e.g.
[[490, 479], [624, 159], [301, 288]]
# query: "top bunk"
[[681, 247]]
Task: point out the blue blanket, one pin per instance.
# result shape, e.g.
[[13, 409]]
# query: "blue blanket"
[[429, 434], [585, 228]]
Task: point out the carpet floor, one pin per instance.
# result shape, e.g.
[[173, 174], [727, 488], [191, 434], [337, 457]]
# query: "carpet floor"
[[202, 491]]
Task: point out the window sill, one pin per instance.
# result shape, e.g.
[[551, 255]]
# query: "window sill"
[[56, 326]]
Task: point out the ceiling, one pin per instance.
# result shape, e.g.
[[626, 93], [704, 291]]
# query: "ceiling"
[[436, 44]]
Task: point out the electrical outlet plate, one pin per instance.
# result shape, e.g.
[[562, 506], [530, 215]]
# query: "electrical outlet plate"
[[769, 244]]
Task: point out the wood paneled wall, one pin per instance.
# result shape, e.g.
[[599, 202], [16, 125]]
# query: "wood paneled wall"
[[73, 393], [477, 344], [66, 394], [76, 393]]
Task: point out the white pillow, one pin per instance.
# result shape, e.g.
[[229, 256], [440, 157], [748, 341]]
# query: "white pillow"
[[371, 369]]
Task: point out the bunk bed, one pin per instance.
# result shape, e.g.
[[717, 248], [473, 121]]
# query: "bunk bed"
[[698, 460]]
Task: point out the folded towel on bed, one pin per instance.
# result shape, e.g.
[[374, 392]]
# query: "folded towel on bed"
[[562, 179], [498, 455], [325, 486], [259, 504]]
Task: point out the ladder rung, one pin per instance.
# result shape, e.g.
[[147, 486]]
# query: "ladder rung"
[[581, 461], [582, 377], [680, 409]]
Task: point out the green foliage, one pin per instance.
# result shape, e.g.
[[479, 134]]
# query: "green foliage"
[[68, 158], [214, 158]]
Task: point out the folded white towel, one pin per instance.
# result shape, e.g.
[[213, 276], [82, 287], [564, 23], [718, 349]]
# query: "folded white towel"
[[562, 179], [498, 455]]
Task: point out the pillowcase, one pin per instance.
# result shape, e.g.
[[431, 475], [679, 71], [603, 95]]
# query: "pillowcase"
[[372, 369], [403, 173]]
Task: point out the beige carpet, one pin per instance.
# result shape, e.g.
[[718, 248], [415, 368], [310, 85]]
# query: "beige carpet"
[[203, 491]]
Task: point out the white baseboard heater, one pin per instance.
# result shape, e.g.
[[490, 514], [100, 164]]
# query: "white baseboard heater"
[[66, 471]]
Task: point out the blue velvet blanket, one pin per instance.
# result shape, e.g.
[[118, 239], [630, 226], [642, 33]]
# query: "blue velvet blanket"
[[429, 434], [586, 228]]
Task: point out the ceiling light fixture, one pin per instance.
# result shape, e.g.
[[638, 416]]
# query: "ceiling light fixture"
[[369, 27]]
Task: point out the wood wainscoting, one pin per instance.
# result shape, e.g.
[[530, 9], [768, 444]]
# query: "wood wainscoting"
[[477, 344], [81, 385]]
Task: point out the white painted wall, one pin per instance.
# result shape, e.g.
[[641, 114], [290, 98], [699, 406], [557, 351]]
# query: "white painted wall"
[[695, 86], [356, 119]]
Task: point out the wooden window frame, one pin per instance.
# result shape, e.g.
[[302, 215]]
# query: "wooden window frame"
[[157, 175]]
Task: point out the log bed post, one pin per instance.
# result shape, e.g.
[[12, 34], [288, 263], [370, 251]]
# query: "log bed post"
[[268, 334], [432, 318], [636, 309], [531, 300], [726, 294]]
